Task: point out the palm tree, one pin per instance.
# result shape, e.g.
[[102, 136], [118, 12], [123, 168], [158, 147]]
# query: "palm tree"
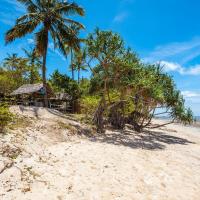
[[16, 67], [79, 62], [11, 61], [34, 65], [72, 46], [49, 18]]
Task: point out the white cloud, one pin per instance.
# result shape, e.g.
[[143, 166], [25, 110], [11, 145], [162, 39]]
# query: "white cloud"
[[190, 94], [120, 17], [182, 51], [171, 66], [195, 70]]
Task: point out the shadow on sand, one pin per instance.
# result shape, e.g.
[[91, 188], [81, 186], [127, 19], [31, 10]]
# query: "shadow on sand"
[[34, 109], [148, 140]]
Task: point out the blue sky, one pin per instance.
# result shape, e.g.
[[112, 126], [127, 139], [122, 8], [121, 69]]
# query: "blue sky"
[[158, 30]]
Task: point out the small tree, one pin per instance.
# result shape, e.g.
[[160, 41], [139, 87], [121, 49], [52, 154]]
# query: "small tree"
[[103, 47]]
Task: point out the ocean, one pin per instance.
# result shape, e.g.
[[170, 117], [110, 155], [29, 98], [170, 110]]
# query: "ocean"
[[168, 118], [197, 118]]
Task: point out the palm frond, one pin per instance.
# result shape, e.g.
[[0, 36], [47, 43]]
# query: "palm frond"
[[20, 30], [28, 3], [28, 17], [41, 40], [73, 22], [69, 9], [58, 40]]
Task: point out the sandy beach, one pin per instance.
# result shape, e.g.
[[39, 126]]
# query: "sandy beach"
[[53, 157]]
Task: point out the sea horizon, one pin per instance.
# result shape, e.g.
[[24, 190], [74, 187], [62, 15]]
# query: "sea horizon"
[[197, 118]]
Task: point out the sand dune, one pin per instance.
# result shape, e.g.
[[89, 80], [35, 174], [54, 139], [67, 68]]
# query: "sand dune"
[[53, 163]]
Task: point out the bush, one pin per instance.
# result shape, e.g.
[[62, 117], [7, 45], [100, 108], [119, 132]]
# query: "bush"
[[5, 116], [89, 104]]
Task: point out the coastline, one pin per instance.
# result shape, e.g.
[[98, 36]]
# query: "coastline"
[[195, 124]]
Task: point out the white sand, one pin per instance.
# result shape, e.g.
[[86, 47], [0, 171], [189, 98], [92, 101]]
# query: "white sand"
[[161, 165]]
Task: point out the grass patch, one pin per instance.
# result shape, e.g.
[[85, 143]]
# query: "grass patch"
[[5, 117], [82, 118], [69, 127], [20, 122]]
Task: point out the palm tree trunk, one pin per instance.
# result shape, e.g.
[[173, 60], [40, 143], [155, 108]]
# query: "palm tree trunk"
[[44, 80], [31, 76], [72, 65], [31, 73], [78, 75]]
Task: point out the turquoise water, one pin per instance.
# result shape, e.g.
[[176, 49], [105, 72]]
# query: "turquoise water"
[[197, 118], [165, 117]]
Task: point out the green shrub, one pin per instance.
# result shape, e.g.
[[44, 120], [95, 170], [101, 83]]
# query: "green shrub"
[[89, 104], [5, 116]]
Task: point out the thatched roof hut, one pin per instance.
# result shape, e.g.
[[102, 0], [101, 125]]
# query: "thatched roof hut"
[[63, 96], [32, 88], [32, 94]]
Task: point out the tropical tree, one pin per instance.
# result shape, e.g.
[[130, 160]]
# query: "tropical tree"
[[72, 46], [79, 62], [103, 47], [11, 61], [34, 65], [131, 92], [16, 68], [48, 18]]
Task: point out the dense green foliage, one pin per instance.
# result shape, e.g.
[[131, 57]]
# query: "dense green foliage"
[[139, 88], [63, 83], [5, 116], [16, 71], [89, 104]]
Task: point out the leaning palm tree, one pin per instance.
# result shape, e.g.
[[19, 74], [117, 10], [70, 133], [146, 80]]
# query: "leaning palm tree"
[[48, 18]]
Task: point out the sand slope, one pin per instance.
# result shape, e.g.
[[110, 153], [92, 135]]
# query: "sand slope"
[[53, 164]]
